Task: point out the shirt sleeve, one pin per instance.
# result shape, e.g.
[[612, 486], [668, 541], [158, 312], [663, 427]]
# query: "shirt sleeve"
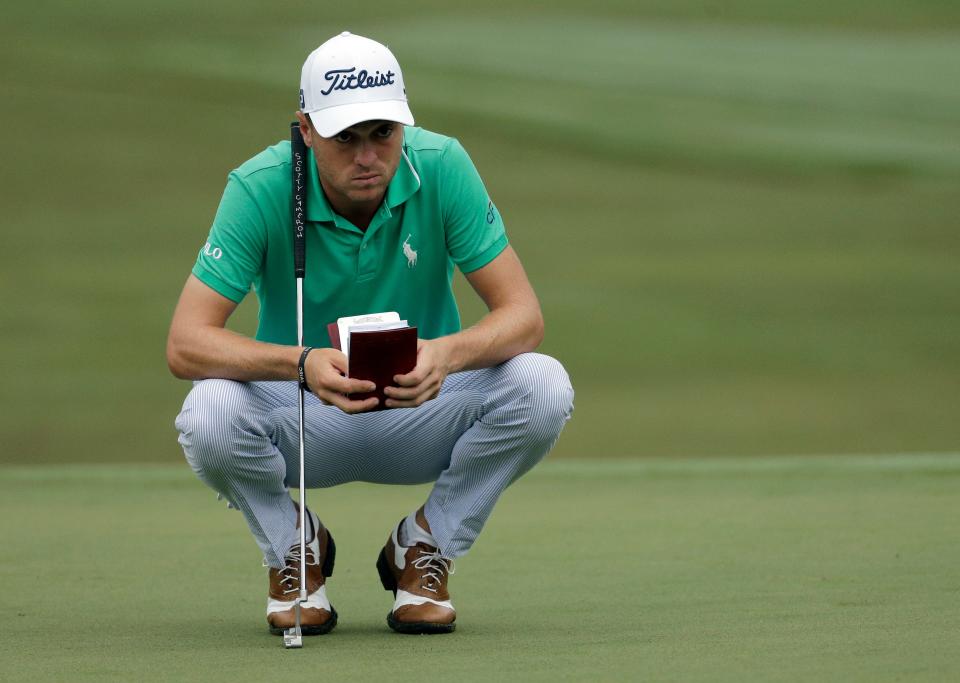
[[233, 256], [475, 232]]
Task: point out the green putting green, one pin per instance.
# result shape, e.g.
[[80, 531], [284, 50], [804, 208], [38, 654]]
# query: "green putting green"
[[816, 568]]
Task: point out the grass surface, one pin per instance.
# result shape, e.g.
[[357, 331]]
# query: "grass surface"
[[796, 568], [741, 218]]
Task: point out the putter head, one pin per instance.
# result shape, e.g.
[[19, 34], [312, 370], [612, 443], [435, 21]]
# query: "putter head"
[[293, 637]]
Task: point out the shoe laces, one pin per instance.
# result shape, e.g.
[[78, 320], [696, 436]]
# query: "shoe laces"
[[291, 570], [433, 566]]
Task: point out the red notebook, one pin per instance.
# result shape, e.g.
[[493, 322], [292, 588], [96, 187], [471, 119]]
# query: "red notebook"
[[377, 356]]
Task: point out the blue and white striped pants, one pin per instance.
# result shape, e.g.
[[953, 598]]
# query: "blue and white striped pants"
[[485, 429]]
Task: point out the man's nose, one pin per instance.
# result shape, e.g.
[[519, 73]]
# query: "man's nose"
[[365, 156]]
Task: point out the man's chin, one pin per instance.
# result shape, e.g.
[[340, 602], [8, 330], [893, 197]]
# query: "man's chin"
[[364, 195]]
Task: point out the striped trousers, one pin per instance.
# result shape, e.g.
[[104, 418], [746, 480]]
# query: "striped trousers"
[[485, 429]]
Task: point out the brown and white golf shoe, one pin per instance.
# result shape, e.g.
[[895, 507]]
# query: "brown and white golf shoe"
[[317, 616], [417, 575]]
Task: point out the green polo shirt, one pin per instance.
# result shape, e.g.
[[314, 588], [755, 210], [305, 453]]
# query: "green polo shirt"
[[436, 214]]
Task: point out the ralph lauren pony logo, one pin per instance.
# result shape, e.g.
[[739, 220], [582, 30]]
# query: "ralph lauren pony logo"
[[409, 252], [346, 79]]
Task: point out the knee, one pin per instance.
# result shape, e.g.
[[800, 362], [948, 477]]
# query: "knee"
[[207, 422], [549, 394]]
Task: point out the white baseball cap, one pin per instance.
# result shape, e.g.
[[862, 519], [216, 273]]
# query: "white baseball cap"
[[350, 79]]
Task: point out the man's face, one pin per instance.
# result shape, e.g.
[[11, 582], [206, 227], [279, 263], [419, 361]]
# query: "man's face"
[[356, 165]]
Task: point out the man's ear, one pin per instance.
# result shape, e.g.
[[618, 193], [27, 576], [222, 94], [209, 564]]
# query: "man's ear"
[[306, 130]]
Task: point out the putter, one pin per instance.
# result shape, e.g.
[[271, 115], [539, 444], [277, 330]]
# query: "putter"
[[293, 637]]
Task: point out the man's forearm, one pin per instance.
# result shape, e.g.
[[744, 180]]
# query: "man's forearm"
[[499, 336], [211, 352]]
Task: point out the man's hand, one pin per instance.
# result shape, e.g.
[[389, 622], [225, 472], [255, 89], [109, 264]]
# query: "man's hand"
[[424, 381], [326, 371]]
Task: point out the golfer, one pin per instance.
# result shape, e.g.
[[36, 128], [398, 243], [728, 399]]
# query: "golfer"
[[391, 210]]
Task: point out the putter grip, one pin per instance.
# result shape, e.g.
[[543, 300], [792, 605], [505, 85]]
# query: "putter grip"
[[298, 153]]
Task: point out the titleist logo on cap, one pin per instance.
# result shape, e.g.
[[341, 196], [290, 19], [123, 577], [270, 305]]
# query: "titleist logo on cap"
[[350, 79], [346, 79]]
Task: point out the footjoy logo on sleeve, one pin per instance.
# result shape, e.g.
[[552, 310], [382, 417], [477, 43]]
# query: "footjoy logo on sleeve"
[[346, 79], [491, 211]]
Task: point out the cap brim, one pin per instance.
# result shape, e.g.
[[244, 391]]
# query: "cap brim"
[[332, 120]]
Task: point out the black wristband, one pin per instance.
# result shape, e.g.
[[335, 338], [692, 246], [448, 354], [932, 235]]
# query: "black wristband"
[[301, 373]]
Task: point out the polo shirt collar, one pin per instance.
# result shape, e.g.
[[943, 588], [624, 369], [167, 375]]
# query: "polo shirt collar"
[[318, 208], [405, 183]]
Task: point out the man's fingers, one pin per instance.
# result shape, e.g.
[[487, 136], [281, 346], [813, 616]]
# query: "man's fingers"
[[409, 392], [408, 397], [411, 379], [338, 359], [345, 385], [418, 400], [402, 393], [359, 386], [351, 406], [405, 403]]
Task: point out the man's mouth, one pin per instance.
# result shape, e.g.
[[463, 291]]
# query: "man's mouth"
[[367, 179]]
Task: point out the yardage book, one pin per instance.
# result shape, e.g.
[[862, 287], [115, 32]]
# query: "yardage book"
[[378, 346]]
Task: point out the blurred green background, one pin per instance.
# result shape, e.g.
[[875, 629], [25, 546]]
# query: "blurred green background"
[[741, 217]]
